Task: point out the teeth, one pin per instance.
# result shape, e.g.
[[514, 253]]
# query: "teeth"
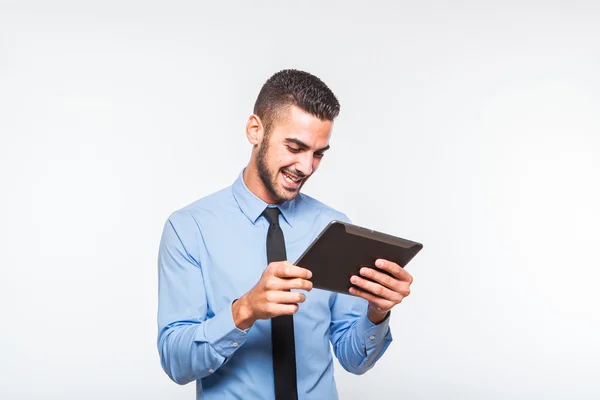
[[290, 179]]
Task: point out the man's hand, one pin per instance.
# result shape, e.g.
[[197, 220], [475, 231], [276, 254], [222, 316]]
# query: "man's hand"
[[385, 292], [271, 296]]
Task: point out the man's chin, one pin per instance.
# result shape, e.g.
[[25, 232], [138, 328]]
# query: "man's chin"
[[291, 195], [288, 193]]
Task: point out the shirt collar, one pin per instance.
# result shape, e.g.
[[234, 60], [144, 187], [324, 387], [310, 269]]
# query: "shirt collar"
[[253, 207]]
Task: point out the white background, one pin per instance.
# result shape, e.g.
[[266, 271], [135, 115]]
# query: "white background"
[[473, 127]]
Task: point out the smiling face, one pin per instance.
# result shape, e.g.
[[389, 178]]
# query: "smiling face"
[[284, 158]]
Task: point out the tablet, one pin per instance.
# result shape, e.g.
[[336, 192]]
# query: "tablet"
[[341, 249]]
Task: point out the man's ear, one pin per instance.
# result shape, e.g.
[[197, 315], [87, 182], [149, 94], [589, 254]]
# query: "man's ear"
[[254, 130]]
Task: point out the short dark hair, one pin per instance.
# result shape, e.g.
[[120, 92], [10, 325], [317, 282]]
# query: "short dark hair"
[[291, 87]]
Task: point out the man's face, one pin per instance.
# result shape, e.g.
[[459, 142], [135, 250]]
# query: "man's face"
[[291, 153]]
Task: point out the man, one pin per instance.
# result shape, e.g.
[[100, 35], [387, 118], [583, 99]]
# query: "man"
[[237, 317]]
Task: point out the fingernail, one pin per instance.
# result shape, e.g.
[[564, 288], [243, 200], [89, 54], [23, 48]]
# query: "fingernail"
[[380, 263], [309, 274]]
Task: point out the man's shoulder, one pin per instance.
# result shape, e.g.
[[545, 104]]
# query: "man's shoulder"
[[329, 212], [209, 203]]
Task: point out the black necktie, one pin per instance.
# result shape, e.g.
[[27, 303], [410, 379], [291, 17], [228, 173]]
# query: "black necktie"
[[282, 327]]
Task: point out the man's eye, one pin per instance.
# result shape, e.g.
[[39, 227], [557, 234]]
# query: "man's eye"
[[319, 155], [294, 149]]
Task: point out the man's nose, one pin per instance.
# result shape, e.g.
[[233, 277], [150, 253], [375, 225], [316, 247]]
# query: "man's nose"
[[305, 164]]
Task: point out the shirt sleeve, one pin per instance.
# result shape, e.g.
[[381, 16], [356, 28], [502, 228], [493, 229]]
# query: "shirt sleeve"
[[357, 342], [191, 344]]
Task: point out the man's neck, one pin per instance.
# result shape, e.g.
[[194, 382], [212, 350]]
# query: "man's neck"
[[256, 186]]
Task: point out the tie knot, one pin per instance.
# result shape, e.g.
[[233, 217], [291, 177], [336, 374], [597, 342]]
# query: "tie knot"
[[272, 214]]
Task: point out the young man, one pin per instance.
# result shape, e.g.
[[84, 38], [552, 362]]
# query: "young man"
[[237, 317]]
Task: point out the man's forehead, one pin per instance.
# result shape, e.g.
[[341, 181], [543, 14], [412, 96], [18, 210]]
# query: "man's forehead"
[[302, 123]]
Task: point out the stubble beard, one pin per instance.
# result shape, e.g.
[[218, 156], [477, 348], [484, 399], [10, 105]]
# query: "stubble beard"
[[268, 179]]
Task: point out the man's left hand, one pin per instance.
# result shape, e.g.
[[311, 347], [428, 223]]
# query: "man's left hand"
[[381, 290]]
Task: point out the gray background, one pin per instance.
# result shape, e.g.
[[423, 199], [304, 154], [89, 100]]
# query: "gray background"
[[471, 126]]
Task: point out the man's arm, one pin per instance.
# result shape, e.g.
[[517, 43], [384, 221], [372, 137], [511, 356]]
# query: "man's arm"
[[357, 342], [379, 293], [191, 345]]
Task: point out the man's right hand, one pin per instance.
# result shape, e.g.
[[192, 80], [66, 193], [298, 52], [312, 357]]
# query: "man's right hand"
[[271, 296]]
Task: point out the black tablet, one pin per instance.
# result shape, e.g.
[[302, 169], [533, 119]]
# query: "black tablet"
[[341, 249]]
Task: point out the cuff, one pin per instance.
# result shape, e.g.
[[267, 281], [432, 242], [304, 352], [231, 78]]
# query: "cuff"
[[372, 335], [221, 333]]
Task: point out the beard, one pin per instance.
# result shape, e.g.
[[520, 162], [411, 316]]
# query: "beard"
[[269, 178]]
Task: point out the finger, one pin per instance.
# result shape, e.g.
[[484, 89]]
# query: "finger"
[[375, 288], [283, 309], [394, 269], [380, 303], [275, 283], [381, 278], [400, 288], [286, 269], [280, 297], [295, 283]]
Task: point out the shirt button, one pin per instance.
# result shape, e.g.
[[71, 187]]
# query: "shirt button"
[[235, 344], [211, 370], [372, 337]]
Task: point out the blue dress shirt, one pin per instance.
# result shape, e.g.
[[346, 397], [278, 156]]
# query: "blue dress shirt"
[[211, 253]]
